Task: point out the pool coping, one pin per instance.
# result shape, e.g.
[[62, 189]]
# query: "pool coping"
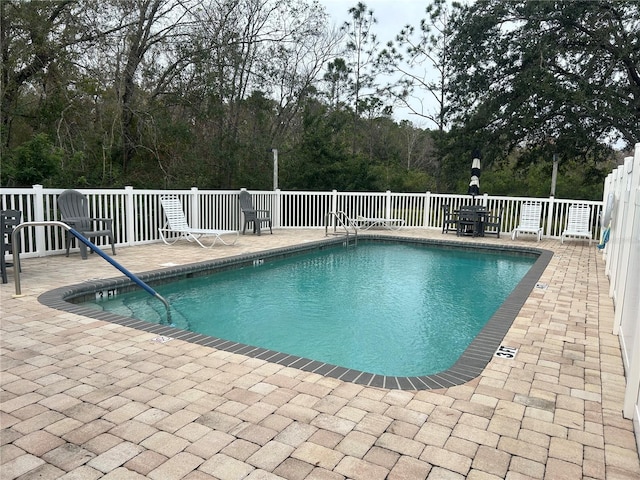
[[468, 366]]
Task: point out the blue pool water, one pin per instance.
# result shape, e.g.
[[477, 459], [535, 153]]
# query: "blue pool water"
[[387, 309]]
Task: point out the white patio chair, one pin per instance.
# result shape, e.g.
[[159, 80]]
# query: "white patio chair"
[[530, 214], [177, 225], [578, 223]]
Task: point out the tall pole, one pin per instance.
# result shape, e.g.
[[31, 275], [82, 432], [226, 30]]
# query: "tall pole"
[[554, 175], [275, 168]]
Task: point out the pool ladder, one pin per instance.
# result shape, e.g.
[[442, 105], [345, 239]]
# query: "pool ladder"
[[346, 224]]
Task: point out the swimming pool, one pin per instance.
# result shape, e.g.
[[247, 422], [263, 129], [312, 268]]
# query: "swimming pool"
[[348, 343]]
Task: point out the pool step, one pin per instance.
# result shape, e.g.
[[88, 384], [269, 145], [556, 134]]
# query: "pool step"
[[150, 310]]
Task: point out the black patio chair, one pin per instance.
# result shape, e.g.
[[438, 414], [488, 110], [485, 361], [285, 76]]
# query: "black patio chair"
[[74, 211], [9, 219], [468, 221], [493, 223], [450, 219], [253, 215]]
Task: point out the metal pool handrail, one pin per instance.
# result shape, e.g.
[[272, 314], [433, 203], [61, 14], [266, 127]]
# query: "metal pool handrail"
[[88, 243], [344, 221]]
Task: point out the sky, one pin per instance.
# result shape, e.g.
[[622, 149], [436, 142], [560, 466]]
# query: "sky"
[[392, 15]]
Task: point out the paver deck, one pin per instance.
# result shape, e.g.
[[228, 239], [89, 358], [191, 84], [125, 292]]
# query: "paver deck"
[[86, 399]]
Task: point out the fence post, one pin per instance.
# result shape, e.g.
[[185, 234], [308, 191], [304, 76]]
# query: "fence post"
[[38, 213], [130, 226], [334, 201], [550, 216], [427, 210], [387, 207], [276, 207], [194, 209]]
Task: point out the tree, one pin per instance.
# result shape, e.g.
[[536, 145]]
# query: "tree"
[[362, 44], [548, 77], [296, 58], [35, 41], [361, 51], [424, 67], [271, 48], [37, 161], [146, 31], [337, 77]]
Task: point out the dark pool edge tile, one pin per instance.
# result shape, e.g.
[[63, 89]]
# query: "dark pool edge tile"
[[468, 366]]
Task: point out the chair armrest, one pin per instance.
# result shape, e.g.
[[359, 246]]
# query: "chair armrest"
[[73, 221], [105, 220], [108, 222]]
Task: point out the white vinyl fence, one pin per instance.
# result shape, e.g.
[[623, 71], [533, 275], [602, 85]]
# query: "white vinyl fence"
[[137, 214], [622, 260]]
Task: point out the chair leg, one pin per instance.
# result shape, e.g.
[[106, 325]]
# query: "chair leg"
[[3, 267], [83, 247]]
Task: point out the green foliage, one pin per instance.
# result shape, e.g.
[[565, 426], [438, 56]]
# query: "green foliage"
[[319, 161], [575, 179], [398, 179], [553, 77], [202, 100], [35, 162]]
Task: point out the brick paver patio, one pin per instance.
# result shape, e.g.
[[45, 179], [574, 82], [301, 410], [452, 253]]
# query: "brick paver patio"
[[85, 399]]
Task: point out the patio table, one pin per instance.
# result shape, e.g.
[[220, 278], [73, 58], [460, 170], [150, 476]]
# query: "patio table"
[[471, 220]]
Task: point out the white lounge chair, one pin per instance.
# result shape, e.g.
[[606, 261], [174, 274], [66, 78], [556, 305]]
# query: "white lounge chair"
[[530, 213], [365, 223], [578, 223], [178, 226]]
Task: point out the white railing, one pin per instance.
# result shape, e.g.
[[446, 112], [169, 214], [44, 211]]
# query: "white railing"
[[137, 214], [622, 265]]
